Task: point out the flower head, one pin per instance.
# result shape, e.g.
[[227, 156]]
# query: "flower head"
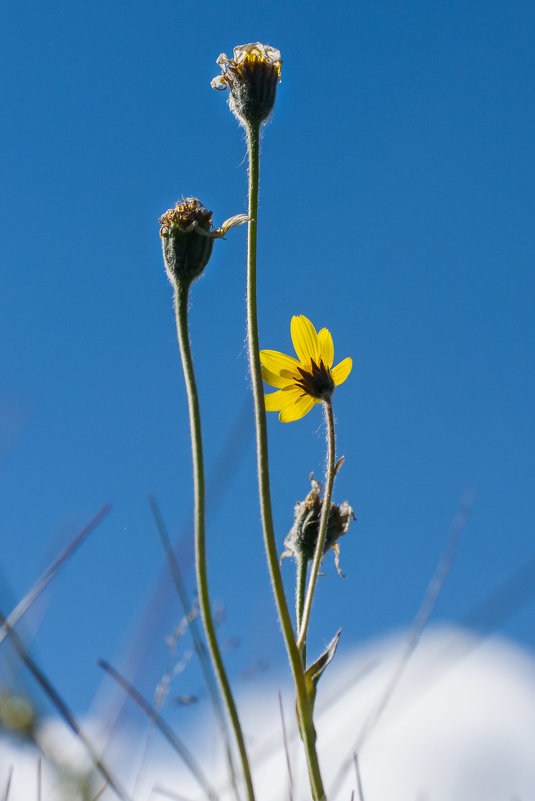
[[252, 77], [303, 536], [188, 238], [304, 381]]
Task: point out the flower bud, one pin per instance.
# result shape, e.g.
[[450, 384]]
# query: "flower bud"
[[303, 536], [252, 77], [188, 238]]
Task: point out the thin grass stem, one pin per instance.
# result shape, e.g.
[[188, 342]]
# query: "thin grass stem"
[[45, 578], [181, 309], [53, 695], [8, 784], [153, 715], [286, 752]]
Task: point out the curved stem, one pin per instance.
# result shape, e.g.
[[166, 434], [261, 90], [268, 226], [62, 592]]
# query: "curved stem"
[[318, 554], [198, 642], [181, 310], [304, 708]]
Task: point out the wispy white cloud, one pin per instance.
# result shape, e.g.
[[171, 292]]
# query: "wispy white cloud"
[[460, 727]]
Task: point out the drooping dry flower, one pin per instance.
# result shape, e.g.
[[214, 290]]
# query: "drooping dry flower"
[[303, 536]]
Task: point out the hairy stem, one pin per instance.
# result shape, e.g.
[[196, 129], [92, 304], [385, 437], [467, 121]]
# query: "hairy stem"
[[318, 554], [300, 589], [181, 309], [304, 708], [198, 642]]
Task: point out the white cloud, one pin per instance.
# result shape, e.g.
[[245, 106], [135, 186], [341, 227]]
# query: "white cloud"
[[460, 727]]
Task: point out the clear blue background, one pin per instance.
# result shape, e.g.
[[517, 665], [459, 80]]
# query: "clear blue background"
[[397, 209]]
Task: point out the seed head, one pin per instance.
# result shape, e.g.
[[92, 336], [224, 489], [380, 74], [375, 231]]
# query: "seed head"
[[252, 77], [188, 238], [303, 536]]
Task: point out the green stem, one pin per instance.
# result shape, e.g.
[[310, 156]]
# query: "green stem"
[[198, 642], [318, 554], [304, 708], [181, 309], [300, 588]]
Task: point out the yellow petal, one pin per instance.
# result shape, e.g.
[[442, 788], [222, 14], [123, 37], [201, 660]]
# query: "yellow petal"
[[279, 381], [305, 339], [341, 371], [325, 342], [275, 401], [275, 362], [296, 410]]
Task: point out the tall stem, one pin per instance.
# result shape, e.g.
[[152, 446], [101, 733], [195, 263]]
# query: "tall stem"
[[318, 554], [304, 707], [181, 309]]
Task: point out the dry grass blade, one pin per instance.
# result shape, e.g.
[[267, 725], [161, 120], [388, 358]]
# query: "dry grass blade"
[[422, 616], [169, 793], [196, 636], [359, 777], [513, 593], [61, 707], [8, 784], [100, 792], [44, 580], [287, 752], [222, 474], [420, 621], [163, 727]]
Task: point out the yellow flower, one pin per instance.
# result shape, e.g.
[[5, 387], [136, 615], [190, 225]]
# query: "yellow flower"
[[304, 382], [252, 77]]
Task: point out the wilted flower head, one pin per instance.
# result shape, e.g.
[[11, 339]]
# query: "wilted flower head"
[[252, 77], [303, 536], [188, 238]]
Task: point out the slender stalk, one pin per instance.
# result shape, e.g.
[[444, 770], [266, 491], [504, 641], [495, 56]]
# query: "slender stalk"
[[318, 554], [181, 309], [300, 589], [198, 642], [304, 709]]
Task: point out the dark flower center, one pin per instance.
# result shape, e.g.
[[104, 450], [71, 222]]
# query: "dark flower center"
[[317, 382]]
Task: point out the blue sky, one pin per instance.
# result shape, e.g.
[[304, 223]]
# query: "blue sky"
[[397, 209]]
